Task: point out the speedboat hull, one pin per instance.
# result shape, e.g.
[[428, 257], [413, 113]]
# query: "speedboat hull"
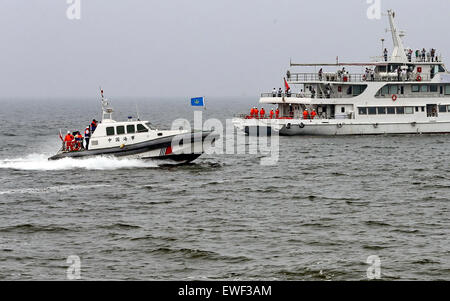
[[182, 148]]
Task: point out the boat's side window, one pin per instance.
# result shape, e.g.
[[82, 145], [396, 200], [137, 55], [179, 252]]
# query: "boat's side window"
[[349, 90], [381, 110], [442, 109], [423, 109], [343, 110], [141, 128], [447, 89], [120, 130], [372, 110], [409, 110], [433, 88], [362, 111], [415, 88], [417, 109], [131, 129], [110, 131], [394, 89], [424, 88], [400, 110], [391, 110], [385, 90]]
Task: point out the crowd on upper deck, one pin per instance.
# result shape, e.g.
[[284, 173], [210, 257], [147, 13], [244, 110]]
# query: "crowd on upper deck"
[[421, 55]]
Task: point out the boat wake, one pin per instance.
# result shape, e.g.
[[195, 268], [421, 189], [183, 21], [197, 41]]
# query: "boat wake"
[[41, 162]]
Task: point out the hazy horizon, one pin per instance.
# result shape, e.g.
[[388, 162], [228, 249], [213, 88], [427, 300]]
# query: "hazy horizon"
[[178, 48]]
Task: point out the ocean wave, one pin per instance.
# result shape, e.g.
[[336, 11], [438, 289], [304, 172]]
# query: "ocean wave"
[[40, 162]]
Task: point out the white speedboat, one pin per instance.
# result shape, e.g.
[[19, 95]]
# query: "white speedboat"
[[138, 139], [405, 93]]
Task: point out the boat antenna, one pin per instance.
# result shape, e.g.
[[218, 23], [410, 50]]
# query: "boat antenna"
[[137, 112]]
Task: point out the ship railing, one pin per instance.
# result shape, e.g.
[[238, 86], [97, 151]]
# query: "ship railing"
[[295, 95], [296, 116], [357, 77]]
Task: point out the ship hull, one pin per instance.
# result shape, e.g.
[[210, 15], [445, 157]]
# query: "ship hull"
[[345, 127], [167, 148]]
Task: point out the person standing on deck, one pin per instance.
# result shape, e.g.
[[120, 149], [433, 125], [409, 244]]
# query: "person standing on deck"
[[256, 112], [274, 92], [93, 126], [271, 113], [305, 114], [87, 136], [385, 54], [262, 113], [313, 114], [277, 113]]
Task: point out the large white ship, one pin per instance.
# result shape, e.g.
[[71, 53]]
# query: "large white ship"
[[404, 93]]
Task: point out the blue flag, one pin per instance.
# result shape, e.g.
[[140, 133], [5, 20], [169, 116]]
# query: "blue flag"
[[197, 102]]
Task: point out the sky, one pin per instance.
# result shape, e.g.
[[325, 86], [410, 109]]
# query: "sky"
[[181, 48]]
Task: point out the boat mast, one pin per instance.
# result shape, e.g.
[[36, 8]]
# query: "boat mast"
[[398, 53], [106, 108]]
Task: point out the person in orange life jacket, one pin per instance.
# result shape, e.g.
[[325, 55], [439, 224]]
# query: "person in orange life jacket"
[[277, 113], [68, 141], [87, 136], [262, 113], [271, 113], [305, 114], [78, 140], [256, 112], [251, 113], [93, 125], [313, 114]]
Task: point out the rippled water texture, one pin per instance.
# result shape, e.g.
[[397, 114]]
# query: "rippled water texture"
[[328, 204]]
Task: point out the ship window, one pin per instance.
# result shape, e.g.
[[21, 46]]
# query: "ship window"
[[415, 88], [385, 90], [141, 128], [447, 89], [448, 108], [372, 110], [349, 90], [381, 110], [442, 109], [417, 109], [409, 110], [120, 130], [400, 110], [441, 69], [424, 88], [110, 131], [343, 110], [362, 111], [433, 88], [391, 110], [131, 129], [423, 109], [394, 89]]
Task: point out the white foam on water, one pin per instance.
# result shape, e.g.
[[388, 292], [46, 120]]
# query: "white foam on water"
[[59, 188], [41, 162]]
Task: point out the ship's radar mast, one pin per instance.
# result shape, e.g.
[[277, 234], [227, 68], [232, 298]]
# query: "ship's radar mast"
[[106, 108], [398, 53]]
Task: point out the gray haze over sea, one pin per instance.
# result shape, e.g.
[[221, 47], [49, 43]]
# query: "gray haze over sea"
[[328, 204]]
